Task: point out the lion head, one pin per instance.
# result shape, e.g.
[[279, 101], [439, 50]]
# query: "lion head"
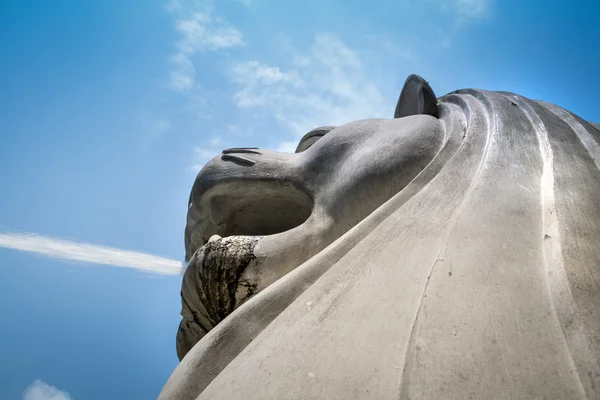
[[254, 215]]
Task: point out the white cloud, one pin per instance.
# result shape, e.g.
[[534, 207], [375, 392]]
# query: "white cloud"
[[212, 147], [240, 131], [203, 32], [40, 390], [199, 31], [465, 11], [203, 155], [89, 253], [173, 6], [331, 83], [326, 86], [261, 84], [261, 73], [154, 126], [160, 126], [183, 74], [214, 141]]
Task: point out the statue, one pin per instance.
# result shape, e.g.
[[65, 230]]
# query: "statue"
[[450, 252]]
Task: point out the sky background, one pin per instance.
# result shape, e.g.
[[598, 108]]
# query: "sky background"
[[109, 108]]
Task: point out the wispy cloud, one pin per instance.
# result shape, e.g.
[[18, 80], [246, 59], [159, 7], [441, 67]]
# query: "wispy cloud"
[[465, 11], [261, 85], [213, 145], [183, 73], [202, 32], [89, 253], [331, 82], [154, 126], [327, 85], [40, 390], [203, 154], [199, 31]]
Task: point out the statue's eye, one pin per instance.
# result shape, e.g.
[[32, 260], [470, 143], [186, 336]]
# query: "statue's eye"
[[311, 137]]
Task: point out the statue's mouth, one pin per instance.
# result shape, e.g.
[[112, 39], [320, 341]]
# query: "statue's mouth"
[[246, 208], [225, 224]]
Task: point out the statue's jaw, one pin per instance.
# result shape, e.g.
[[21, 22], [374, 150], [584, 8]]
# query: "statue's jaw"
[[248, 207], [216, 282], [225, 224]]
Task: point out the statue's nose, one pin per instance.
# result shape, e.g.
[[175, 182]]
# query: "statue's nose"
[[233, 155]]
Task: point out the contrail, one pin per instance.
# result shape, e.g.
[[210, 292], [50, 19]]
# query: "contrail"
[[90, 253]]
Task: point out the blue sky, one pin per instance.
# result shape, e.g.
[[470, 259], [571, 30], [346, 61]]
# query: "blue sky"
[[109, 109]]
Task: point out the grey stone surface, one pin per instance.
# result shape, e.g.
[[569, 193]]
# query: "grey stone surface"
[[451, 252]]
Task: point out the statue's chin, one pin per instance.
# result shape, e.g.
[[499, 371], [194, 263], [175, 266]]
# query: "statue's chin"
[[216, 281], [225, 223], [226, 272]]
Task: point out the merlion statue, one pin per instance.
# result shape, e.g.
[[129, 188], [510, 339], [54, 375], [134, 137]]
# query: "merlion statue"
[[451, 252]]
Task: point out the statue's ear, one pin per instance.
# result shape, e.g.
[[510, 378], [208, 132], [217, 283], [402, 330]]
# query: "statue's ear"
[[416, 98]]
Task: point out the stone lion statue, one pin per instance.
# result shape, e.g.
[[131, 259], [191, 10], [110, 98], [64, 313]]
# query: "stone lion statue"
[[450, 252]]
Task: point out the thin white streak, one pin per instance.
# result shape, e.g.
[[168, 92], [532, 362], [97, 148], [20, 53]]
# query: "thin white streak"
[[90, 253]]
